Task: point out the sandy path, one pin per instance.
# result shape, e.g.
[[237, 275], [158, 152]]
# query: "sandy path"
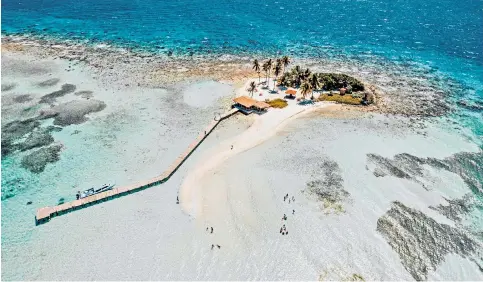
[[193, 196]]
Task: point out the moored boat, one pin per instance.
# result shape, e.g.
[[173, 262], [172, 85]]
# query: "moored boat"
[[92, 191]]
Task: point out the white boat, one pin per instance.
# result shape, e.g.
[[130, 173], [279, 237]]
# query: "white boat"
[[92, 191]]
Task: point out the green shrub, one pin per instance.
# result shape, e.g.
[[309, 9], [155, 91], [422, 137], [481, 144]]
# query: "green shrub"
[[344, 99], [328, 81], [277, 103]]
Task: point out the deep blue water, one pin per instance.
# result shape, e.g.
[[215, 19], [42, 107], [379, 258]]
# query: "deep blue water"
[[453, 28]]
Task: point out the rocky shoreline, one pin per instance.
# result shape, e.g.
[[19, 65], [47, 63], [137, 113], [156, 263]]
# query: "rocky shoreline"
[[399, 90]]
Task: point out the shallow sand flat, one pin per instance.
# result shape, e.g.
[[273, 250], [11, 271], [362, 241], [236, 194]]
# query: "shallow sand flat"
[[239, 192], [244, 195], [136, 137]]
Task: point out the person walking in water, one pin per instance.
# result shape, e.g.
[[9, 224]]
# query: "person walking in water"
[[211, 229], [212, 246], [232, 147], [293, 211]]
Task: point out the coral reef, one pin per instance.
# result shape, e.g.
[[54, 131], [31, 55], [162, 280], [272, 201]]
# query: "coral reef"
[[38, 160], [74, 112], [421, 242], [51, 97]]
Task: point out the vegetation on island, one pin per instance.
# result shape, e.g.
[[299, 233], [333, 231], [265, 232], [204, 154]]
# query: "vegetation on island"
[[277, 103], [344, 99], [349, 90]]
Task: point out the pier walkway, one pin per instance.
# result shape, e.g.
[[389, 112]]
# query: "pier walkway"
[[45, 214]]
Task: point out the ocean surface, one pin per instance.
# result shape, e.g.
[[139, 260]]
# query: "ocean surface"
[[446, 36], [442, 39]]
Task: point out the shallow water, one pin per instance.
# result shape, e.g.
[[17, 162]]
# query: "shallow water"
[[438, 42]]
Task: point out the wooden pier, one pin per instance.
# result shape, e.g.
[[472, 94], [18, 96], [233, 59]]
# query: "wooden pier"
[[45, 214]]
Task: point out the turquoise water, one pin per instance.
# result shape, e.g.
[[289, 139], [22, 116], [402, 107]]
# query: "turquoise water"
[[446, 36], [439, 40]]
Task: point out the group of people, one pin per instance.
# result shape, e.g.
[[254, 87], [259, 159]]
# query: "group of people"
[[211, 232], [212, 246], [283, 229], [289, 199]]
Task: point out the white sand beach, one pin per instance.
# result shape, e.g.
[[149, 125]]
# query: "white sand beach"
[[234, 182]]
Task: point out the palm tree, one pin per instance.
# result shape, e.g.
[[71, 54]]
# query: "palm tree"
[[269, 66], [307, 73], [256, 67], [314, 82], [277, 70], [297, 75], [265, 68], [252, 88], [305, 88], [285, 62]]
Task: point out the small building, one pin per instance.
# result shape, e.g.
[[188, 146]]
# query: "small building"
[[291, 92], [342, 91], [248, 105]]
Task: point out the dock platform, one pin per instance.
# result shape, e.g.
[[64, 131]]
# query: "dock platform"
[[46, 213]]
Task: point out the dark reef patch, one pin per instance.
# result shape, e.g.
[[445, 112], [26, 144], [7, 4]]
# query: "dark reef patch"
[[86, 94], [22, 98], [16, 129], [456, 207], [8, 86], [74, 112], [421, 242], [11, 187], [36, 139], [328, 187], [30, 129], [48, 82], [38, 160], [469, 166], [51, 97]]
